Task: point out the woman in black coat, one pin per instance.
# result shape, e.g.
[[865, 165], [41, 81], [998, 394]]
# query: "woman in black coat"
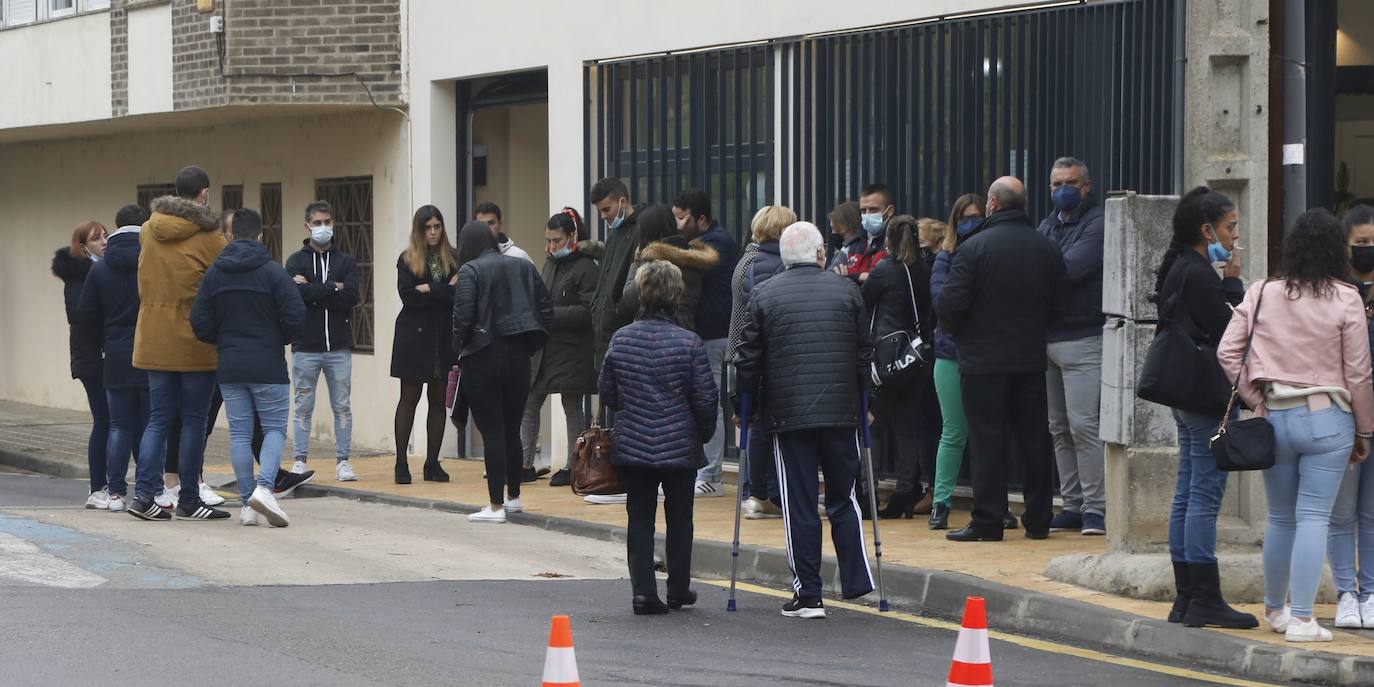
[[892, 287], [422, 350], [657, 376], [72, 263], [566, 365]]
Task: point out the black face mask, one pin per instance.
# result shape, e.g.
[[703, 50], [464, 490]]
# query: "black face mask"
[[1362, 259]]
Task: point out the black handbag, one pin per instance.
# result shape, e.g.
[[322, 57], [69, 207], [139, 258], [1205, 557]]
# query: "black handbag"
[[1244, 444], [902, 358], [1179, 371]]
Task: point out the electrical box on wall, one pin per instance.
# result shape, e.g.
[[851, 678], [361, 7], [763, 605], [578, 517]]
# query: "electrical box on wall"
[[216, 24], [479, 164]]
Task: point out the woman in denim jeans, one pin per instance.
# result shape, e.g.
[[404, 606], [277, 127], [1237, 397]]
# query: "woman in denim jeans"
[[1308, 373], [1189, 292], [1354, 509]]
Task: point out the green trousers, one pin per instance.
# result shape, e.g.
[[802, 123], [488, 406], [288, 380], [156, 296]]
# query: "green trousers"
[[954, 434]]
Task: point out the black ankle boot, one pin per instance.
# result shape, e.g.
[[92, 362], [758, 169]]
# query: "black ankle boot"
[[1207, 607], [939, 516], [402, 471], [688, 599], [434, 473], [648, 605], [899, 505], [1184, 593]]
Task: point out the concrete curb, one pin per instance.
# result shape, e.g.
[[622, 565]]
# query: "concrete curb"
[[929, 592]]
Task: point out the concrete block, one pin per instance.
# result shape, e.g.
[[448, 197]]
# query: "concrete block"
[[1174, 642], [1125, 419], [1140, 493], [1316, 666], [1151, 575], [946, 593], [1067, 618], [1138, 231], [1265, 661], [1358, 671]]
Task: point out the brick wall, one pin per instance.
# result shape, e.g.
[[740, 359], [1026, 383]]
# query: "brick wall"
[[275, 52]]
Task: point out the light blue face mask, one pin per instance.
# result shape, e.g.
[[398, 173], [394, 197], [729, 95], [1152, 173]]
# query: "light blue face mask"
[[873, 223], [1217, 252], [619, 220], [563, 252]]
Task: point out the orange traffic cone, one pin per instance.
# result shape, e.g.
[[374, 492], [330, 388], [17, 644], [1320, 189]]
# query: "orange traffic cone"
[[560, 665], [972, 664]]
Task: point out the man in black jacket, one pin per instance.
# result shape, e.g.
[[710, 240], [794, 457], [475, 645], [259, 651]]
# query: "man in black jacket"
[[327, 279], [806, 345], [612, 201], [1003, 291], [250, 309]]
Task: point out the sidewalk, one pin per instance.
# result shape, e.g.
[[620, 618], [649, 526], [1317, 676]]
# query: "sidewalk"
[[923, 572]]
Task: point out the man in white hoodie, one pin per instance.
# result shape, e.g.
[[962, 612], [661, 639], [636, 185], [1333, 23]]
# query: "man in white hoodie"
[[490, 215]]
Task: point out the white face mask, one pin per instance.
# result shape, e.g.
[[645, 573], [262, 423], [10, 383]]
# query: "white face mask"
[[322, 235]]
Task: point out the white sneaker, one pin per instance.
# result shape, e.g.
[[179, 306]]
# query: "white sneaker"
[[704, 489], [117, 506], [1348, 612], [343, 472], [208, 496], [248, 517], [487, 515], [604, 499], [763, 510], [1309, 631], [299, 467], [99, 500], [167, 500], [1366, 606], [266, 505], [1279, 620], [513, 505]]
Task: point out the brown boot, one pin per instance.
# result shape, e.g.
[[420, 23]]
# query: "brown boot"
[[923, 506]]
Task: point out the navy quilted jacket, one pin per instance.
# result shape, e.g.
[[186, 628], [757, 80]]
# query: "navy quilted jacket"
[[656, 376]]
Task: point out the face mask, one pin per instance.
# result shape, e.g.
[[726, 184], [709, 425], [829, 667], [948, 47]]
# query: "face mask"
[[1066, 198], [1362, 258], [619, 219], [1217, 252], [322, 235], [963, 228], [873, 223], [563, 252]]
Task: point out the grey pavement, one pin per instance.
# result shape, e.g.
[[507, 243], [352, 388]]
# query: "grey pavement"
[[218, 615]]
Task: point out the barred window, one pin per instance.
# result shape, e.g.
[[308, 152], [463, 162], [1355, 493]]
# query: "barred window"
[[351, 198], [147, 192], [269, 198]]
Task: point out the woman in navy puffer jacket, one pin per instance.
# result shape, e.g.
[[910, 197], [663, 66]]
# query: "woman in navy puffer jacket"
[[657, 376]]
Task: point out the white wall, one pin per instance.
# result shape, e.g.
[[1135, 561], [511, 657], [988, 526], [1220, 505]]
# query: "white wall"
[[150, 59], [65, 74], [47, 188]]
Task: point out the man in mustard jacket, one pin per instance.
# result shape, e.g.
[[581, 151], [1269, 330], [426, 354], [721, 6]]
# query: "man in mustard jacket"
[[179, 242]]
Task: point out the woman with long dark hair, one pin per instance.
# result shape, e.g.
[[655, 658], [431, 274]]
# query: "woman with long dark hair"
[[1308, 374], [1189, 293], [422, 350], [659, 240], [900, 280], [72, 263], [501, 315]]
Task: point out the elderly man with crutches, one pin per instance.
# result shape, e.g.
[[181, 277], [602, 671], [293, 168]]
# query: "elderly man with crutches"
[[806, 344]]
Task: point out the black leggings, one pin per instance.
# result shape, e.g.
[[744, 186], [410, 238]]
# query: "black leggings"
[[496, 381], [434, 420]]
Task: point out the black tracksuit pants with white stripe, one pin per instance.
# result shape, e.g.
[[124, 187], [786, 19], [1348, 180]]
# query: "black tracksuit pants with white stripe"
[[835, 452]]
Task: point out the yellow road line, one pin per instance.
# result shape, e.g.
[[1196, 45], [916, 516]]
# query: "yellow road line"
[[1027, 642]]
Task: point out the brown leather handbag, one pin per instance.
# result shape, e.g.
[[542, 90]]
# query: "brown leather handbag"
[[592, 472]]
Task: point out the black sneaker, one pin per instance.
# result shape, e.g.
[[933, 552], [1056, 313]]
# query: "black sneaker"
[[804, 607], [528, 475], [288, 481], [146, 509], [199, 511], [562, 478]]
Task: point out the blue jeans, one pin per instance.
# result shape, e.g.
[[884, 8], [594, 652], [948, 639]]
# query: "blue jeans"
[[1354, 510], [168, 393], [1311, 452], [1197, 493], [97, 442], [128, 418], [305, 376], [270, 404], [715, 449]]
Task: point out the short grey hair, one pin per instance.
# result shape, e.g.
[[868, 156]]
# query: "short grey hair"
[[1070, 161], [799, 244], [660, 287]]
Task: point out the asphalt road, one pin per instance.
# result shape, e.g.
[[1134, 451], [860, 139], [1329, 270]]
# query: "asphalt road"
[[366, 594]]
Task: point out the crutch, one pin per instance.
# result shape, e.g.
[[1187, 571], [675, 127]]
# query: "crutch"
[[872, 499], [739, 494]]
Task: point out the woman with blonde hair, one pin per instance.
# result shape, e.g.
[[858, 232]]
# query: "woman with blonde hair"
[[422, 350], [72, 263]]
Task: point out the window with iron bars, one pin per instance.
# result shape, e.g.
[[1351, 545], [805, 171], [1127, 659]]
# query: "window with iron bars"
[[351, 198], [147, 192], [269, 199]]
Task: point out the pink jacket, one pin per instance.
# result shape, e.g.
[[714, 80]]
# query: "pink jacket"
[[1306, 341]]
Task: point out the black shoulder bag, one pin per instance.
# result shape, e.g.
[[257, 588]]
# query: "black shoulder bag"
[[1245, 444], [1181, 370], [902, 358]]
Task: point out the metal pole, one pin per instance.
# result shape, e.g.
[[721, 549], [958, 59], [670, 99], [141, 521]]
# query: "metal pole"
[[1294, 111], [744, 411], [872, 500]]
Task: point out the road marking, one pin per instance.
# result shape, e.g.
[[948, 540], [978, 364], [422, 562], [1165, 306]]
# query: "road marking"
[[25, 563], [1026, 642]]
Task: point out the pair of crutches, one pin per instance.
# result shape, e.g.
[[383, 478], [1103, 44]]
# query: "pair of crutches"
[[744, 415]]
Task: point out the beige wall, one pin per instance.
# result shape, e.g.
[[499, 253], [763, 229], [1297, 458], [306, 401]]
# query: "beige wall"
[[47, 188], [1355, 33], [517, 144], [55, 72]]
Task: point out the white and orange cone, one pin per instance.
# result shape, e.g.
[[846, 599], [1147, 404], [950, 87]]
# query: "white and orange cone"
[[972, 664], [560, 664]]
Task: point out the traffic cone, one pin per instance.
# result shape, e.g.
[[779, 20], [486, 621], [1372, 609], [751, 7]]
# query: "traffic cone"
[[560, 665], [972, 664]]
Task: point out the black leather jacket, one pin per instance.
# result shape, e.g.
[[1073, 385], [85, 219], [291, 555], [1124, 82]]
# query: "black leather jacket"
[[499, 296], [806, 346]]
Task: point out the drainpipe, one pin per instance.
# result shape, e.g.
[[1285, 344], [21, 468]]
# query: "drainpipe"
[[1294, 111]]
